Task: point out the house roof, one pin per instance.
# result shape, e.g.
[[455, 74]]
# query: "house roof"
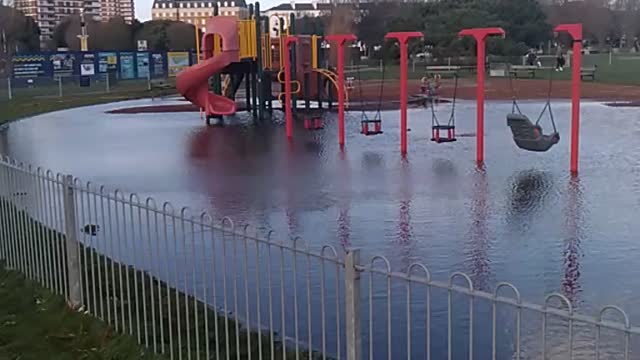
[[301, 7]]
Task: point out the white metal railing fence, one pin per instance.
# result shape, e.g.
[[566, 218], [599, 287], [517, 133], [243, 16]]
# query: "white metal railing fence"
[[78, 86], [192, 288]]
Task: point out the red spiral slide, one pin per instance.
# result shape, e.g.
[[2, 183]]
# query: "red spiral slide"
[[193, 82]]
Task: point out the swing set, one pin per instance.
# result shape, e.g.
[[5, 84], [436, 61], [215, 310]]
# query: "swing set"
[[370, 126], [450, 126], [527, 134]]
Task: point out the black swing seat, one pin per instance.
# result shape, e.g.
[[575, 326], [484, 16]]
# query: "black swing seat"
[[529, 136], [443, 127], [444, 140], [435, 129]]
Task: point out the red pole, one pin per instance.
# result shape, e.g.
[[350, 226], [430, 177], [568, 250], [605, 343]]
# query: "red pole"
[[403, 39], [339, 40], [287, 86], [575, 30], [480, 35]]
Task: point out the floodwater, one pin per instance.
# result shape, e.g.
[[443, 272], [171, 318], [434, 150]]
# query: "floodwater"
[[521, 218]]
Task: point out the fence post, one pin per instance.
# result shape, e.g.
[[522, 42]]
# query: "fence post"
[[71, 243], [352, 304], [107, 80], [60, 86], [9, 87]]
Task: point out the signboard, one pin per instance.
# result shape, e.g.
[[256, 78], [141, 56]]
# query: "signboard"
[[142, 45], [63, 63], [127, 65], [87, 64], [194, 57], [177, 61], [157, 61], [107, 62], [142, 64], [28, 66]]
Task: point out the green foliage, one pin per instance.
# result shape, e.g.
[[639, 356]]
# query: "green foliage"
[[21, 32], [155, 32], [180, 36], [116, 34], [524, 21]]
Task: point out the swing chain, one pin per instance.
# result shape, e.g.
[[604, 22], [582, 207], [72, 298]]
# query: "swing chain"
[[434, 117], [452, 117], [378, 115], [363, 115], [547, 106], [514, 102]]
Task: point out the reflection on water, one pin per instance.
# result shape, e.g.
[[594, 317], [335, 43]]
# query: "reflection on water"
[[520, 218], [344, 202], [575, 223], [404, 233], [478, 244], [528, 192]]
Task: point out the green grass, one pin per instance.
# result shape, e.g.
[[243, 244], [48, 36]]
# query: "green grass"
[[120, 290], [42, 99], [624, 70], [36, 324]]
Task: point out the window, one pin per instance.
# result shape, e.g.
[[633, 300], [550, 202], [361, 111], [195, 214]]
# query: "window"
[[225, 4], [170, 5], [203, 21], [189, 21], [210, 4], [164, 5], [232, 12], [181, 5], [233, 3], [219, 4]]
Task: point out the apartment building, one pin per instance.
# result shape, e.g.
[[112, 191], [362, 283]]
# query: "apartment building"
[[196, 12], [48, 13], [112, 8]]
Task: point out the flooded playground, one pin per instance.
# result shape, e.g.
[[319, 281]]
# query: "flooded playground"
[[520, 218]]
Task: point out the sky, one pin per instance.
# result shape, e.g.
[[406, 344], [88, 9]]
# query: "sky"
[[143, 7]]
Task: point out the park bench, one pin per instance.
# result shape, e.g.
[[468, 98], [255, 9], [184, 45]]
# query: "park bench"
[[588, 72], [529, 70], [443, 70]]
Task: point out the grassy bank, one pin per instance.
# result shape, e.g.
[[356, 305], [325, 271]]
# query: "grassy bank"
[[130, 301], [29, 102], [36, 324], [622, 69]]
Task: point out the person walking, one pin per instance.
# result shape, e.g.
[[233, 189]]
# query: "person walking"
[[560, 60]]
